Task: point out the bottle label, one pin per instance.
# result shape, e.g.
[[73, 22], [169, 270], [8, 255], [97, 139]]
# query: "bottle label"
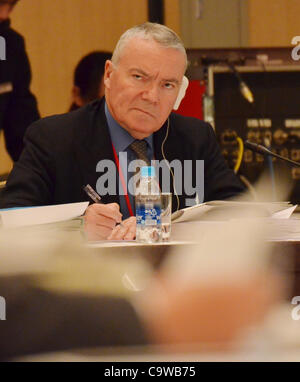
[[148, 215]]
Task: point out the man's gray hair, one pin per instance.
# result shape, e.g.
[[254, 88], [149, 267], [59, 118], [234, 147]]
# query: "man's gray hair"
[[149, 31]]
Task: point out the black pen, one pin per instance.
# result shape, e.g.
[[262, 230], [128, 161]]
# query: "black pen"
[[94, 196], [92, 193]]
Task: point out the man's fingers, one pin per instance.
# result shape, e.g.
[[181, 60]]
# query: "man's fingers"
[[118, 232], [111, 210], [124, 231], [101, 219], [131, 232]]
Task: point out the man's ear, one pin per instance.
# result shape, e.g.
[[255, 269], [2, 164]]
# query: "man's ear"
[[181, 94], [108, 69]]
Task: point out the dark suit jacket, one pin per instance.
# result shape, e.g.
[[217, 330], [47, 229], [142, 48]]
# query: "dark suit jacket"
[[62, 151], [18, 108]]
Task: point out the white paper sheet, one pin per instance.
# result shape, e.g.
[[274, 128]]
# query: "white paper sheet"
[[18, 217], [280, 210], [284, 214]]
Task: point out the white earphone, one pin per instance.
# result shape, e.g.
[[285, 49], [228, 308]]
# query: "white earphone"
[[181, 94]]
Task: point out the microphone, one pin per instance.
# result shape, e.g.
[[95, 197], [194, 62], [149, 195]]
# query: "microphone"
[[231, 61], [263, 150], [244, 88], [246, 92]]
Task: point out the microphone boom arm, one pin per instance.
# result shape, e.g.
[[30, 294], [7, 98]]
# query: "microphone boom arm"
[[263, 150]]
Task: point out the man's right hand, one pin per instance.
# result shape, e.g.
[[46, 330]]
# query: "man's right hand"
[[101, 219]]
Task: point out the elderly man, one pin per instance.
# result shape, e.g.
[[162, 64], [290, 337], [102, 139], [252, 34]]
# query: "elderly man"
[[64, 153]]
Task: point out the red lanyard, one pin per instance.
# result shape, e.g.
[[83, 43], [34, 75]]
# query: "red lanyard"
[[122, 181]]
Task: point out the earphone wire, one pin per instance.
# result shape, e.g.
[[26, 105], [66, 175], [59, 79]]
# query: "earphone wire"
[[168, 164]]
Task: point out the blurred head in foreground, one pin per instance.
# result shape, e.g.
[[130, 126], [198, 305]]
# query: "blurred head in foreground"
[[216, 291], [206, 295], [213, 292], [88, 79]]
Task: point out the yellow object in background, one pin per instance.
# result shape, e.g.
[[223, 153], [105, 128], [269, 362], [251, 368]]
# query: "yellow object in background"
[[240, 155]]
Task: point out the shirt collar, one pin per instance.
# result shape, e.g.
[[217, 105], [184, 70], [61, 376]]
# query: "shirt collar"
[[121, 139]]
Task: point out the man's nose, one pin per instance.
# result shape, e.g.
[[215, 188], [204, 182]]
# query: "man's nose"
[[151, 93]]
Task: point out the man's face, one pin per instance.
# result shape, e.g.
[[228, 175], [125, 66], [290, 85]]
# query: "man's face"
[[142, 87], [6, 6]]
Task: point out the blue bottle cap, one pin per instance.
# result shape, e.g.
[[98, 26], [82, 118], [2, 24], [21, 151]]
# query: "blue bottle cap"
[[147, 171]]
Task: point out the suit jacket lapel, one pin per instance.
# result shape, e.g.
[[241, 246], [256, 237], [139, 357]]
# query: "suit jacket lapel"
[[91, 145]]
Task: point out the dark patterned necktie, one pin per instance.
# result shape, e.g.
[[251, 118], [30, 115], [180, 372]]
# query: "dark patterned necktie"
[[139, 147]]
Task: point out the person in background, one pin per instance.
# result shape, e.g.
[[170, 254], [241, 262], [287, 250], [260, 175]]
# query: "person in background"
[[18, 106], [88, 79]]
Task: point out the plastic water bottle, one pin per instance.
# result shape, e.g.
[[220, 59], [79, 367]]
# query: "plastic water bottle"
[[148, 207]]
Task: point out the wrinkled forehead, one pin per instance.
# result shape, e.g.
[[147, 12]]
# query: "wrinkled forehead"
[[142, 41], [147, 52]]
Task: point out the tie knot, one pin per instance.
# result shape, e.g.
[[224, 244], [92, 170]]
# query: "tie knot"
[[139, 147]]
